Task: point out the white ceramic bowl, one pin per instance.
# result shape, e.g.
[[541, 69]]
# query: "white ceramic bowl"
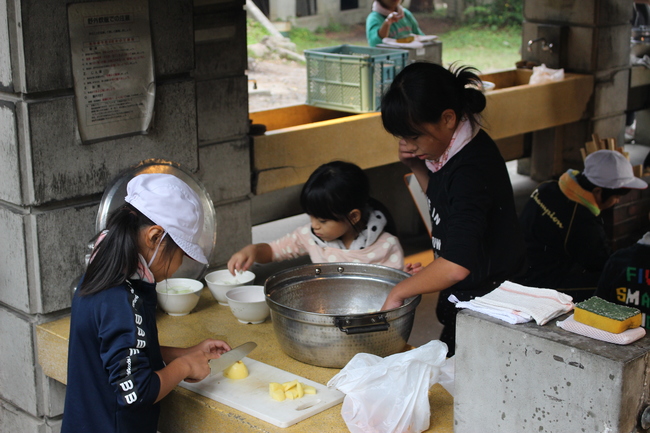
[[178, 296], [220, 282], [248, 304]]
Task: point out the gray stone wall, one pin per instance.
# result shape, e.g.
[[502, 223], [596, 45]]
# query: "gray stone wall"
[[51, 183], [590, 37]]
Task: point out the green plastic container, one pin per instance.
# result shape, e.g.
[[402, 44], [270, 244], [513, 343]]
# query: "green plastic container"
[[351, 78]]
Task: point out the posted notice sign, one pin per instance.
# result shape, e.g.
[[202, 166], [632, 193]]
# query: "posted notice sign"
[[112, 67]]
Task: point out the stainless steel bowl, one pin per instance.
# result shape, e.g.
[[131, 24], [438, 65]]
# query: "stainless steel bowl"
[[324, 314]]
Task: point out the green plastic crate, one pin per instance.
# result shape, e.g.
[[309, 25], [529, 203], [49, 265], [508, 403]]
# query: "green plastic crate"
[[351, 78]]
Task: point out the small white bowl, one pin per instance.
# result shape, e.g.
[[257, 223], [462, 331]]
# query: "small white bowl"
[[248, 304], [178, 296], [220, 282]]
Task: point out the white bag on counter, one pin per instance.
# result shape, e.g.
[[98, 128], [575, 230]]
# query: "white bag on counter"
[[542, 74], [391, 394]]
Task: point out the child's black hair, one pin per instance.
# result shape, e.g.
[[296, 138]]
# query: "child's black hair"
[[606, 193], [335, 189], [116, 257], [422, 91]]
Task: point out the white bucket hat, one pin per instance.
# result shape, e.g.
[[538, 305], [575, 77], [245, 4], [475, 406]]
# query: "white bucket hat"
[[172, 204], [610, 169]]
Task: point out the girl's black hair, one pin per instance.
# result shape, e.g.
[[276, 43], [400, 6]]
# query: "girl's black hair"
[[335, 189], [607, 192], [116, 256], [422, 91]]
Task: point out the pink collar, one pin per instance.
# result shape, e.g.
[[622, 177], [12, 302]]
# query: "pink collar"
[[463, 134]]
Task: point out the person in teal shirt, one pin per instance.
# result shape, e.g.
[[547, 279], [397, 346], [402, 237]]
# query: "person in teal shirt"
[[389, 19]]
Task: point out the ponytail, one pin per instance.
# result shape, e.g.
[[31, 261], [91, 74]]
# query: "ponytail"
[[116, 256], [422, 91]]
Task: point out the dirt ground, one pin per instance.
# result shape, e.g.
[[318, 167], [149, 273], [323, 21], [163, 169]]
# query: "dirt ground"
[[279, 83]]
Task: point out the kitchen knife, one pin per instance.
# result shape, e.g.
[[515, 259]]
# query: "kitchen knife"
[[230, 357]]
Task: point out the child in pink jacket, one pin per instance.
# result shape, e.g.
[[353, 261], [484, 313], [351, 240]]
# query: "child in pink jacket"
[[346, 225]]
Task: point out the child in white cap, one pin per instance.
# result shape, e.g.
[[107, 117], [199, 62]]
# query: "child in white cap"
[[565, 237], [117, 370]]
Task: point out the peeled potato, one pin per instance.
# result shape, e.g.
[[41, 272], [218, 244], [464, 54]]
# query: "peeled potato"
[[308, 389], [236, 371]]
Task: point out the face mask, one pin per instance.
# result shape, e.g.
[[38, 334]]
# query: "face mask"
[[156, 250]]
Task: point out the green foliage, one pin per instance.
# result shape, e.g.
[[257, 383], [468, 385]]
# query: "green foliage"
[[322, 37], [482, 47], [255, 32], [495, 14]]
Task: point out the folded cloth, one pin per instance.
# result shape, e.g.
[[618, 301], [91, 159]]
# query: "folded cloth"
[[506, 314], [626, 337], [520, 302]]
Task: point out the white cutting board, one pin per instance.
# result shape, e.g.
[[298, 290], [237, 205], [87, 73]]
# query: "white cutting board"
[[251, 395]]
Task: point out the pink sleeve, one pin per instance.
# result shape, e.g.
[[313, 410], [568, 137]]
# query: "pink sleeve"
[[289, 246]]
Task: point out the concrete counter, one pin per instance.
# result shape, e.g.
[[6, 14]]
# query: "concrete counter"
[[184, 411]]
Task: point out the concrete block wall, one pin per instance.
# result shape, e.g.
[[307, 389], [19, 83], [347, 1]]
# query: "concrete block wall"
[[595, 40], [51, 183]]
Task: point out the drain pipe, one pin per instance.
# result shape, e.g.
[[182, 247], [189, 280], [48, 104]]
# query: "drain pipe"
[[262, 19]]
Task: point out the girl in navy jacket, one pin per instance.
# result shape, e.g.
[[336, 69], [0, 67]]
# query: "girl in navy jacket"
[[117, 370]]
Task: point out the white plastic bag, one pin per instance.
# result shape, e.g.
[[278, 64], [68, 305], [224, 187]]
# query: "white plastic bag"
[[384, 395], [542, 74]]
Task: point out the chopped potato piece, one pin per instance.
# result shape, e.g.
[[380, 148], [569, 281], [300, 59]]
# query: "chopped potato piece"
[[276, 391], [289, 390], [288, 385], [299, 391]]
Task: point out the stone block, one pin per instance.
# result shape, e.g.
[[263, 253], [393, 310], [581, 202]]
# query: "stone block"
[[18, 373], [233, 230], [61, 237], [63, 167], [578, 12], [6, 77], [172, 36], [13, 261], [9, 155], [220, 48], [595, 49], [529, 378], [45, 36], [222, 109], [15, 420], [610, 92], [225, 169], [54, 397]]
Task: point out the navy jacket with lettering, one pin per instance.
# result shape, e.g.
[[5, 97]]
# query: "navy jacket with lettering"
[[626, 278], [112, 358]]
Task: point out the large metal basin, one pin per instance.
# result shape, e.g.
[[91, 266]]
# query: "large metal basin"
[[324, 314]]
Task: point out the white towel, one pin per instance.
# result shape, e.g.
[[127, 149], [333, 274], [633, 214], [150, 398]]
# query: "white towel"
[[626, 337], [515, 303]]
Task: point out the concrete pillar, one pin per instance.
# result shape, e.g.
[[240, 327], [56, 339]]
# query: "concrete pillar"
[[51, 183], [589, 37], [530, 378]]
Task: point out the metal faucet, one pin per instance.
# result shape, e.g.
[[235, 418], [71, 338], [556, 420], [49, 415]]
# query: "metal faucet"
[[545, 46]]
